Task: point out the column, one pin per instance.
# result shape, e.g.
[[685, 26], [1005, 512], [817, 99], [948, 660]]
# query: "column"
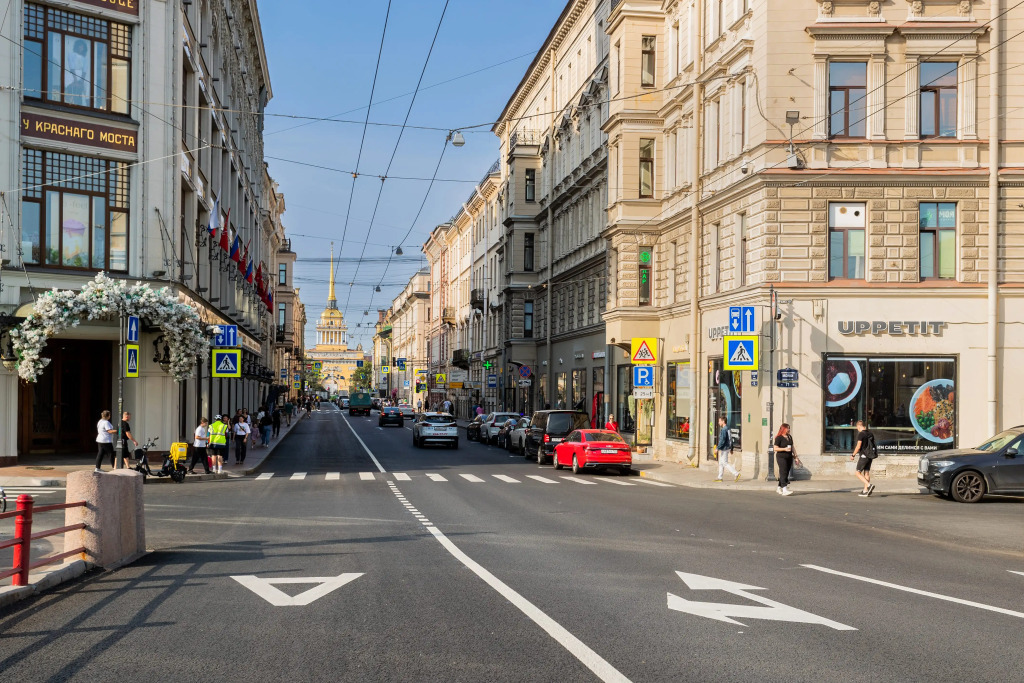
[[912, 130], [968, 97], [876, 97], [820, 98]]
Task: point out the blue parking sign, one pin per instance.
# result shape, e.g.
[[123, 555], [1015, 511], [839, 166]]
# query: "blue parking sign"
[[643, 376]]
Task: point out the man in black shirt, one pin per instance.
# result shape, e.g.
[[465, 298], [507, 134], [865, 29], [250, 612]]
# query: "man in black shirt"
[[126, 436], [864, 453]]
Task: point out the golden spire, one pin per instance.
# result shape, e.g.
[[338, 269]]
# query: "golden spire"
[[331, 301]]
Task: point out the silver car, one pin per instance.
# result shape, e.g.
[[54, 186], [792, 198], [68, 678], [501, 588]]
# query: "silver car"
[[407, 411], [517, 440], [489, 430]]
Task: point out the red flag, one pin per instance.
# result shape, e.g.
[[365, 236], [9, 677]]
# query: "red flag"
[[245, 257], [224, 233]]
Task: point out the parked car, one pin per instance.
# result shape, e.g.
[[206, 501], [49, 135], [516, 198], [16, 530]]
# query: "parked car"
[[492, 424], [548, 428], [593, 449], [432, 428], [517, 439], [390, 416], [967, 475], [344, 403], [504, 436], [406, 410], [474, 427], [375, 403], [359, 403]]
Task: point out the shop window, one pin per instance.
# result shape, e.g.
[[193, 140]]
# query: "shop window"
[[847, 95], [938, 240], [647, 61], [646, 168], [579, 390], [560, 390], [76, 60], [908, 403], [678, 400], [74, 211], [938, 99], [846, 248], [625, 404]]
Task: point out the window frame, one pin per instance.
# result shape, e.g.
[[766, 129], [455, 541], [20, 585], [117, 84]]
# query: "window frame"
[[646, 164], [846, 244], [936, 233], [673, 431], [530, 186], [846, 89], [528, 319], [644, 274], [648, 58], [282, 273], [936, 91], [528, 252]]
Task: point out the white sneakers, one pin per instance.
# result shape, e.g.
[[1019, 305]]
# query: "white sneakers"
[[784, 490]]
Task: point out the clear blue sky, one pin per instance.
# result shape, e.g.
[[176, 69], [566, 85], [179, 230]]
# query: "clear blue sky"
[[322, 55]]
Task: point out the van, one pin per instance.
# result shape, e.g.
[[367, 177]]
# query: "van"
[[548, 428]]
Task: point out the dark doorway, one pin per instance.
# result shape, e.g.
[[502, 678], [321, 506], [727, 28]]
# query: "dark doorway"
[[59, 411]]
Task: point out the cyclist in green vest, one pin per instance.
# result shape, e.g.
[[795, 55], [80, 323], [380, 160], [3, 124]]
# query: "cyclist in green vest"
[[219, 441]]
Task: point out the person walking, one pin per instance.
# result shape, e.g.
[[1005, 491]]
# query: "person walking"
[[219, 441], [289, 408], [864, 453], [199, 444], [126, 436], [104, 440], [241, 432], [611, 425], [266, 427], [275, 418], [724, 450], [784, 458]]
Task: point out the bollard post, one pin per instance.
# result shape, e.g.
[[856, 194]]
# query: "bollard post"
[[23, 532]]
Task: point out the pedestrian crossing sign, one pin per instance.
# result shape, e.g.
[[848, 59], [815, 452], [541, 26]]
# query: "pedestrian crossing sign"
[[385, 369], [131, 360], [741, 352], [296, 385], [644, 350], [226, 363]]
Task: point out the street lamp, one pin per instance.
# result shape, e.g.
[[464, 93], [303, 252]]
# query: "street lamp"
[[455, 137], [165, 360]]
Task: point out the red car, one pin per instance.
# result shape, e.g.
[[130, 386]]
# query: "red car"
[[593, 448]]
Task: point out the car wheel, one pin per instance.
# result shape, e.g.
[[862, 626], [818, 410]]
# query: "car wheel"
[[554, 461], [415, 442], [968, 487], [575, 465]]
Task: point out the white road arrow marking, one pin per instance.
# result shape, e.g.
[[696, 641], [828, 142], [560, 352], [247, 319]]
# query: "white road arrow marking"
[[266, 590], [771, 610]]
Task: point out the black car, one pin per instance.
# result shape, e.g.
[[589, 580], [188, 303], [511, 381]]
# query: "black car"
[[390, 416], [473, 428], [375, 404], [505, 432], [966, 475], [548, 428]]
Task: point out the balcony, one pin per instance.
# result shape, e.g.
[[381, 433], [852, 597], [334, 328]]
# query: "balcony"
[[524, 137], [286, 246], [476, 299], [385, 331], [448, 315], [460, 358]]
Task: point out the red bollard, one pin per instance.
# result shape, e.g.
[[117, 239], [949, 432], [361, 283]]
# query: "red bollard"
[[23, 532]]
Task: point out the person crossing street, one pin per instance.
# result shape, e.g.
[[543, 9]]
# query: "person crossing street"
[[219, 441], [725, 450]]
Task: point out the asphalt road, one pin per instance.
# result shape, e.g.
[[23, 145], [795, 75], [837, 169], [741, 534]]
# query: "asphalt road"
[[473, 565]]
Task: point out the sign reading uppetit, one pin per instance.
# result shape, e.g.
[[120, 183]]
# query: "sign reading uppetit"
[[226, 363], [740, 352]]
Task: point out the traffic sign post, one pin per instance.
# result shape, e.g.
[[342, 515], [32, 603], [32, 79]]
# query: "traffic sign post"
[[131, 360], [385, 369], [644, 350], [525, 371], [740, 352], [643, 392], [492, 381], [226, 363], [643, 376], [228, 336], [133, 330], [741, 319]]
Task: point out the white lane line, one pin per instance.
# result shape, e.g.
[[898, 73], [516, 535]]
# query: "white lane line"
[[543, 480], [593, 661], [363, 444], [366, 476], [579, 481], [333, 476], [435, 477], [1013, 572], [265, 476], [402, 476], [607, 480], [299, 475], [917, 591], [506, 478], [471, 477], [654, 483]]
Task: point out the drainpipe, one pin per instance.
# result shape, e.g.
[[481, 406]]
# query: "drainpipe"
[[551, 250], [993, 218], [693, 262]]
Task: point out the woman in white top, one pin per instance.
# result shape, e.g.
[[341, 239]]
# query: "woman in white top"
[[104, 439], [242, 432]]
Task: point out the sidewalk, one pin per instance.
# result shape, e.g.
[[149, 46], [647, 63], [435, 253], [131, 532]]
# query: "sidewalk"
[[47, 474]]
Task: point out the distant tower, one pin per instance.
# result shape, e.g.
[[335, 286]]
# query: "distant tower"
[[331, 331]]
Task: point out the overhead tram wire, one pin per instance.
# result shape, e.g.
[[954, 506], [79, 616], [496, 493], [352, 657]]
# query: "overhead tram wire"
[[362, 139], [398, 142], [390, 177]]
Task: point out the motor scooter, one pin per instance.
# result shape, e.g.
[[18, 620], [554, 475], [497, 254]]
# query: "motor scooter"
[[170, 468]]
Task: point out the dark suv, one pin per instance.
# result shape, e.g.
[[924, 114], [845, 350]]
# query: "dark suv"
[[548, 428]]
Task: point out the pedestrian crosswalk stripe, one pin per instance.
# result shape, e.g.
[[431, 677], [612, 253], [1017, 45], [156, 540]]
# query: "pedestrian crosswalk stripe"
[[265, 475], [471, 477], [655, 483], [299, 475], [366, 476], [505, 477], [543, 480], [402, 476], [436, 477], [333, 476], [616, 481], [579, 481]]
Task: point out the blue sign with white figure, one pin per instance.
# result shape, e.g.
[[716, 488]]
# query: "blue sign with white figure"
[[741, 319], [228, 336], [643, 375]]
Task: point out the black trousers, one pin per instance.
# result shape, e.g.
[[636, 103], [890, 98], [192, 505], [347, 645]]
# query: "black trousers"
[[240, 447], [199, 455], [102, 450], [277, 429], [785, 463]]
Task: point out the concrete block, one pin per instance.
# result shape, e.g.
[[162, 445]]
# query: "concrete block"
[[114, 516]]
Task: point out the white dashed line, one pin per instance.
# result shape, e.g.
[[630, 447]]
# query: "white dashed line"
[[471, 477], [655, 483], [299, 476], [579, 481], [506, 478], [607, 480], [435, 477], [402, 476], [366, 476], [333, 476], [265, 476], [543, 480]]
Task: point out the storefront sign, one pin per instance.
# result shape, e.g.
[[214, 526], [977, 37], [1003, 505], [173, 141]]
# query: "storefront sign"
[[718, 333], [579, 355], [890, 327], [597, 354], [77, 132], [124, 6]]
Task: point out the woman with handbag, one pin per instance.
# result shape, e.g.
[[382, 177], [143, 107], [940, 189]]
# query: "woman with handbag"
[[785, 455]]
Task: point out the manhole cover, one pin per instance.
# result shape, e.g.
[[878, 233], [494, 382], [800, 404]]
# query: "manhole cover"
[[37, 467]]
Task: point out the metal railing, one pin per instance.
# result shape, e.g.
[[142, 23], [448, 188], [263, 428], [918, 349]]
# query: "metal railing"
[[23, 537]]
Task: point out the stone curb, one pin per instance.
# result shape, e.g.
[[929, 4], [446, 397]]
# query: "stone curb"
[[801, 486], [18, 482], [44, 581]]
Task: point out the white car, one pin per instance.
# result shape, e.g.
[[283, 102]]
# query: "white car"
[[407, 411], [490, 427], [517, 440], [435, 428]]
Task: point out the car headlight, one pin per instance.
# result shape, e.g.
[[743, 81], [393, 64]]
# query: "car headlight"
[[942, 463]]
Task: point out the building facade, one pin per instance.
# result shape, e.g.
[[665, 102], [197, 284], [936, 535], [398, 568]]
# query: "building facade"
[[400, 342], [330, 357], [138, 125], [865, 174], [290, 314]]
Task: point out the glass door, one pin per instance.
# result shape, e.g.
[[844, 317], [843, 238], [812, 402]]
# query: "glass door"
[[725, 399]]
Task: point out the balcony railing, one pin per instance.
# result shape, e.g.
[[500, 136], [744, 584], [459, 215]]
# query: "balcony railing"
[[460, 358], [448, 315], [476, 299], [524, 137]]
